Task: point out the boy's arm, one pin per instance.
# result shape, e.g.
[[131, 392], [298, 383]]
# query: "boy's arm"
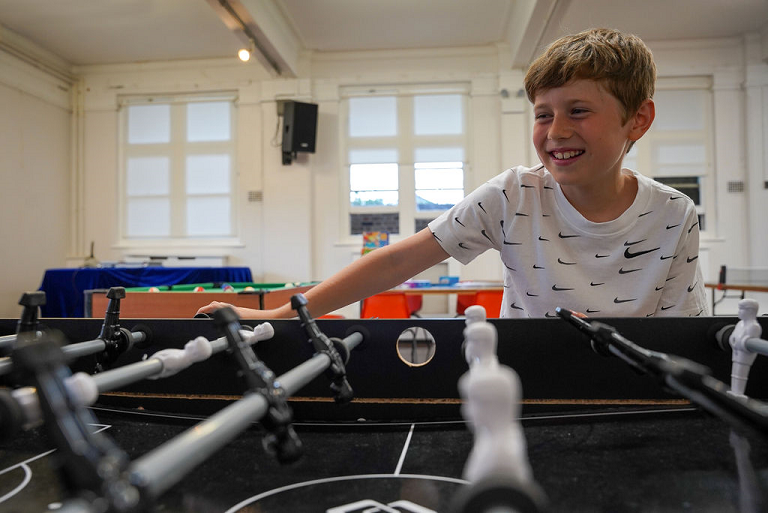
[[376, 272]]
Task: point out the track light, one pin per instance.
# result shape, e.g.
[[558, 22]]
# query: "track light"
[[244, 54]]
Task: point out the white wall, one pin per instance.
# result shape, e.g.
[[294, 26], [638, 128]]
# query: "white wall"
[[35, 129], [294, 232]]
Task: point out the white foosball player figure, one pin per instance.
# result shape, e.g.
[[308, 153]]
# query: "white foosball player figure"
[[492, 394], [742, 357]]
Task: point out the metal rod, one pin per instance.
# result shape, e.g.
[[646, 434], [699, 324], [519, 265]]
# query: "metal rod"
[[116, 378], [757, 345], [160, 469]]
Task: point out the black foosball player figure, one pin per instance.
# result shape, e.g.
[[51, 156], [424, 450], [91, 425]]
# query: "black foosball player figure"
[[592, 100]]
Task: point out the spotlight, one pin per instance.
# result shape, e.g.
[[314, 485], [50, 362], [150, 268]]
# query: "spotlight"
[[244, 54]]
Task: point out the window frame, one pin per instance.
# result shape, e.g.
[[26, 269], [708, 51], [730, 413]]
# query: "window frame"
[[645, 147], [405, 143], [178, 149]]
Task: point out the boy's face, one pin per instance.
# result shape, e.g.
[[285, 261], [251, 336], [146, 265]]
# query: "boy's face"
[[579, 135]]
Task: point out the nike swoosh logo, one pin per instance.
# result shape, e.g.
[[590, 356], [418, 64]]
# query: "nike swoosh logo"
[[508, 267], [592, 311], [531, 295], [462, 246], [435, 236], [548, 187], [457, 220], [537, 266], [622, 271], [565, 263], [659, 288], [689, 259], [485, 235], [566, 236], [618, 301], [558, 289], [669, 227], [593, 284], [543, 239], [692, 227], [691, 287], [601, 256], [645, 213], [666, 257], [480, 204], [627, 253], [513, 243], [674, 198], [513, 305], [666, 307], [523, 186], [627, 243], [504, 192]]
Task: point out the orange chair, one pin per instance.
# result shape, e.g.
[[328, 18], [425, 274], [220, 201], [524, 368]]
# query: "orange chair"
[[491, 301], [463, 301], [385, 306]]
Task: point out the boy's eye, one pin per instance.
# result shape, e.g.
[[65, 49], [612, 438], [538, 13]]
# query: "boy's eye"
[[542, 115], [579, 111]]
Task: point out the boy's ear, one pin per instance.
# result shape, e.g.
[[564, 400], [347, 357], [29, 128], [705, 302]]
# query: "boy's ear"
[[642, 120]]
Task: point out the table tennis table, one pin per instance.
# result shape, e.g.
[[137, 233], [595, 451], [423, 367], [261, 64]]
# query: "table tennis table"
[[738, 280]]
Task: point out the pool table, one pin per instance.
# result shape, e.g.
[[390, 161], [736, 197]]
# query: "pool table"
[[182, 301]]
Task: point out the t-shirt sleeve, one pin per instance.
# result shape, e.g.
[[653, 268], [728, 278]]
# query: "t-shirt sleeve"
[[475, 224]]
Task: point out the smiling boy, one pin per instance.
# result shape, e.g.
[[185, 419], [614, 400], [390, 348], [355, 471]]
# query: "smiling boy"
[[578, 231]]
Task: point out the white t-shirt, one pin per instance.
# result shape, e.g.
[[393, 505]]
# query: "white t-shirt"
[[643, 263]]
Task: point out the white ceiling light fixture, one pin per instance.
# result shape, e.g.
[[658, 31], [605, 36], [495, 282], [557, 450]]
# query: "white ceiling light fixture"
[[232, 16]]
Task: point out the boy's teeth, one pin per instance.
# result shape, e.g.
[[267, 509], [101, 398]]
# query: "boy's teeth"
[[566, 154]]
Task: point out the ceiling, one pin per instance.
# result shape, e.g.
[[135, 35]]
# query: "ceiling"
[[88, 32]]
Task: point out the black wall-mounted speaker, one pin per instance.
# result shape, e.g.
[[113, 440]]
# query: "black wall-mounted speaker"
[[299, 128]]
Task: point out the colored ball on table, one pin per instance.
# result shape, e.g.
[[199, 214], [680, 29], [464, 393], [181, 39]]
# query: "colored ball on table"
[[154, 289], [249, 289], [227, 288], [198, 289]]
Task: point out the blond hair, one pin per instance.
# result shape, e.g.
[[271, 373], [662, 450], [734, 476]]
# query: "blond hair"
[[621, 62]]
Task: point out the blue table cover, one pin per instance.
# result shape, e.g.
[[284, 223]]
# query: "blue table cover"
[[64, 288]]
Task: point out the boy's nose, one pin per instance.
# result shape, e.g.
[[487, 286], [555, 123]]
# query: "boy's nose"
[[560, 128]]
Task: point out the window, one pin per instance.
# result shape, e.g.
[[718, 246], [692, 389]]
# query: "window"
[[406, 156], [177, 167], [677, 150]]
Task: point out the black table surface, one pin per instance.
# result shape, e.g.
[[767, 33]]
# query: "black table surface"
[[638, 460], [608, 440]]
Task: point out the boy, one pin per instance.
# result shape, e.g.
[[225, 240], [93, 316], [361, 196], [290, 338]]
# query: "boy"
[[577, 231]]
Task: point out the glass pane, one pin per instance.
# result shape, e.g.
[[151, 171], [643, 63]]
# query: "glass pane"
[[672, 153], [208, 217], [373, 177], [680, 110], [439, 199], [372, 156], [208, 121], [440, 114], [373, 117], [149, 124], [372, 198], [679, 171], [208, 174], [149, 217], [443, 177], [448, 154], [147, 176]]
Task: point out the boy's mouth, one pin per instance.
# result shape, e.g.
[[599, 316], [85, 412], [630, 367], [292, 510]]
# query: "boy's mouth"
[[565, 155]]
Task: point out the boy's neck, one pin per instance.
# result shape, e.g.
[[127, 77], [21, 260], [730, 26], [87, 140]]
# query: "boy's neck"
[[603, 202]]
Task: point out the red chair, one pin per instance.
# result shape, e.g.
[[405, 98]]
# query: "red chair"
[[385, 306], [491, 301], [463, 301]]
